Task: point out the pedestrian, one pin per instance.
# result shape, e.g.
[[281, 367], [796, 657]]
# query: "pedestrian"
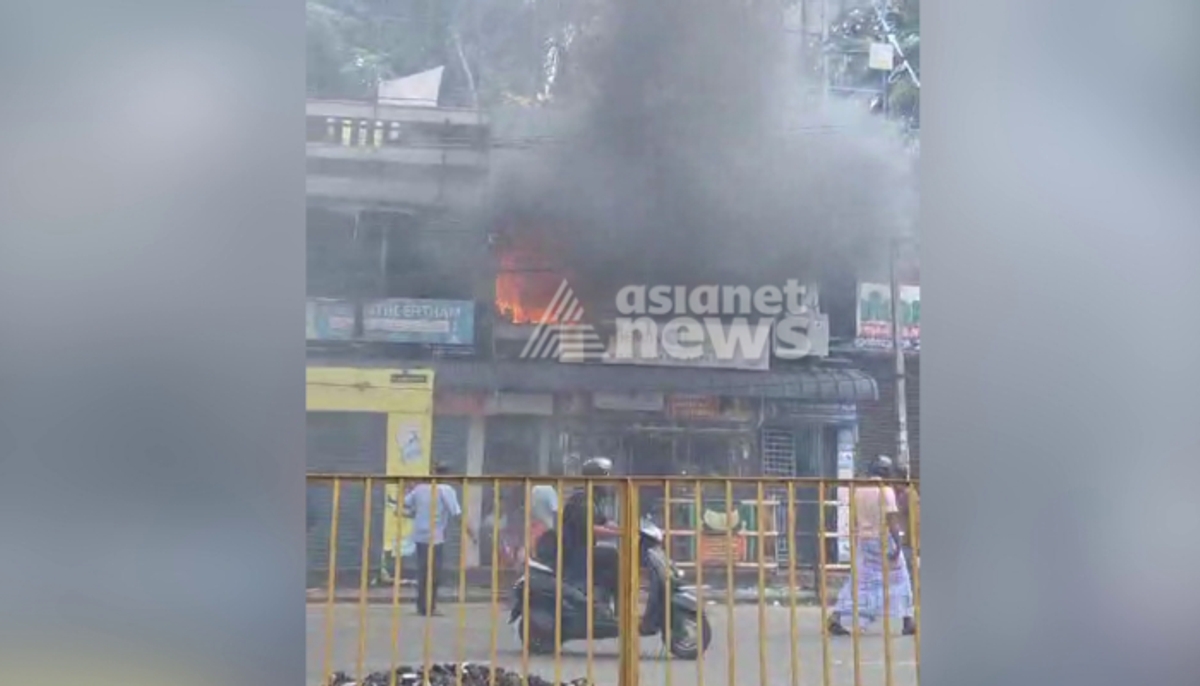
[[876, 524], [430, 517], [544, 516], [909, 504]]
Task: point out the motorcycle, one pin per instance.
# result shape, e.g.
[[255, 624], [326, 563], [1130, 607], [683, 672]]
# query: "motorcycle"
[[689, 635]]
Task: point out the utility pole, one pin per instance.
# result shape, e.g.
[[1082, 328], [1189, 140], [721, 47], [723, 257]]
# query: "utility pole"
[[898, 351], [824, 53]]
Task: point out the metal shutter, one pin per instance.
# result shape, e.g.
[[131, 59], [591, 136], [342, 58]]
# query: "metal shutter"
[[877, 419], [450, 449], [348, 443]]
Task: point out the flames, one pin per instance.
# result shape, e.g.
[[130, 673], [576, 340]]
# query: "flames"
[[525, 284]]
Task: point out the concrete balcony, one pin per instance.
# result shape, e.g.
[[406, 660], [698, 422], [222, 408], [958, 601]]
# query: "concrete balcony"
[[364, 154]]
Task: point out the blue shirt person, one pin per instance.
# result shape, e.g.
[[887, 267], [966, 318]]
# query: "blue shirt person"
[[431, 511], [417, 506]]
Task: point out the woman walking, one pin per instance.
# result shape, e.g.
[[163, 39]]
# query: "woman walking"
[[876, 524]]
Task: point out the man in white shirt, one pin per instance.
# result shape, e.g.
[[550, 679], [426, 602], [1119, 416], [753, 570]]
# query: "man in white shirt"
[[545, 505]]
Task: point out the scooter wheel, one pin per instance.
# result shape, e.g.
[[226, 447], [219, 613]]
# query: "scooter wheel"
[[538, 645], [690, 638]]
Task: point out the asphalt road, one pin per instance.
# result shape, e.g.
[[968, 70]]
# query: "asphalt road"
[[467, 636]]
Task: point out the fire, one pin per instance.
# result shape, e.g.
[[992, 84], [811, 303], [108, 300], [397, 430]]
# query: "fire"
[[525, 285]]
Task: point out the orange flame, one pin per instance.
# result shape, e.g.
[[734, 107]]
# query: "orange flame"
[[525, 285]]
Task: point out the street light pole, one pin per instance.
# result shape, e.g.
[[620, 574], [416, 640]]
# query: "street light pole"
[[898, 351]]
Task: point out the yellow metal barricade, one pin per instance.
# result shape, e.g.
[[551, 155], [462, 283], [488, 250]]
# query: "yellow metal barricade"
[[726, 581]]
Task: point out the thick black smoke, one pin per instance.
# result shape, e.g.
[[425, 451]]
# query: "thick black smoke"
[[689, 158]]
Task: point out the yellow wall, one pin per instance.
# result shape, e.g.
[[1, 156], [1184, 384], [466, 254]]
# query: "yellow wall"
[[408, 404]]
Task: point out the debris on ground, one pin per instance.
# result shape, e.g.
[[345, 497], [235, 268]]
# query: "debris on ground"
[[447, 674]]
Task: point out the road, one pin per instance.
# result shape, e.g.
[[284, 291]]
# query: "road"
[[467, 636]]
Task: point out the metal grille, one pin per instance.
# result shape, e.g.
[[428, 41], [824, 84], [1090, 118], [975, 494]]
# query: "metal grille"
[[779, 459], [778, 453]]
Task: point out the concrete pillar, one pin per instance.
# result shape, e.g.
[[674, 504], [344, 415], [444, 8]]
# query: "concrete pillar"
[[474, 495], [546, 440]]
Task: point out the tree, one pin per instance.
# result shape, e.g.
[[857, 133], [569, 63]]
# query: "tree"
[[498, 45], [852, 33]]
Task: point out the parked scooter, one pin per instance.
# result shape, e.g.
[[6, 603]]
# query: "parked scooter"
[[689, 636]]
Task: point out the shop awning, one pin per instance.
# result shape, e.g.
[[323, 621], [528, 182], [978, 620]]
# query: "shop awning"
[[816, 384]]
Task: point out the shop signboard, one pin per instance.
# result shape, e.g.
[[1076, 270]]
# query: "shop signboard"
[[505, 402], [874, 317], [629, 402], [691, 406], [716, 549], [803, 411], [328, 319], [409, 320], [458, 404]]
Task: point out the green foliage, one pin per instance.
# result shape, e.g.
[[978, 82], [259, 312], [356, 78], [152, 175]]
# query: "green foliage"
[[353, 44], [853, 32]]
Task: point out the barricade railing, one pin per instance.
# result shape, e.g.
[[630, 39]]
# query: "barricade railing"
[[727, 581]]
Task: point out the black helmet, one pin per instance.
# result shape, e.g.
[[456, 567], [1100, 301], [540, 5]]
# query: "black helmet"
[[881, 467], [597, 466]]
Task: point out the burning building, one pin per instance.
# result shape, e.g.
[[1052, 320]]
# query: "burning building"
[[682, 171]]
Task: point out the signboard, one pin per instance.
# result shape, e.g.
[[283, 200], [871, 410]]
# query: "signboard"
[[458, 404], [874, 317], [630, 402], [329, 320], [718, 548], [800, 410], [406, 320], [687, 406], [881, 57], [504, 402]]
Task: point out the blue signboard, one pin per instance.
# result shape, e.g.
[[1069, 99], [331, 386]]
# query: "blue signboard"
[[406, 320], [329, 320]]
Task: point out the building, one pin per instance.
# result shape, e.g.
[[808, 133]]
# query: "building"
[[865, 336], [417, 316]]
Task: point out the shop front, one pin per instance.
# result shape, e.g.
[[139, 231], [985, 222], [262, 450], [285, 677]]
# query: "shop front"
[[370, 422], [711, 424]]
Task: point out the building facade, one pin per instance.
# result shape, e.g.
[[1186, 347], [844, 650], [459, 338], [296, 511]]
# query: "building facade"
[[416, 323]]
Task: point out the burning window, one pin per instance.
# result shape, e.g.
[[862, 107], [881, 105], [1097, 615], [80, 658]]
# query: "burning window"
[[526, 281]]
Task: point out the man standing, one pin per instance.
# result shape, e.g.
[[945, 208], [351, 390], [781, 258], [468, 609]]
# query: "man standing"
[[430, 517], [876, 536]]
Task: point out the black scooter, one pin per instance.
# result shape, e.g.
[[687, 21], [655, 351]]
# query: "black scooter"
[[689, 637]]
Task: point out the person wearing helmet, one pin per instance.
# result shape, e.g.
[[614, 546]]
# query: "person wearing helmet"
[[876, 535], [575, 530]]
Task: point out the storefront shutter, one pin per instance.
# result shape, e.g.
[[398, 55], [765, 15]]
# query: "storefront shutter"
[[346, 443], [450, 449]]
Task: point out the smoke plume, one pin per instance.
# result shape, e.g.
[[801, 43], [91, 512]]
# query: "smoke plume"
[[686, 154]]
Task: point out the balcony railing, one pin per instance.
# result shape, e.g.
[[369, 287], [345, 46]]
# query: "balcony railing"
[[372, 125]]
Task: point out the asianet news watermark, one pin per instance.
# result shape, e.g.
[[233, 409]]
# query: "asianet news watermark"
[[726, 323]]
